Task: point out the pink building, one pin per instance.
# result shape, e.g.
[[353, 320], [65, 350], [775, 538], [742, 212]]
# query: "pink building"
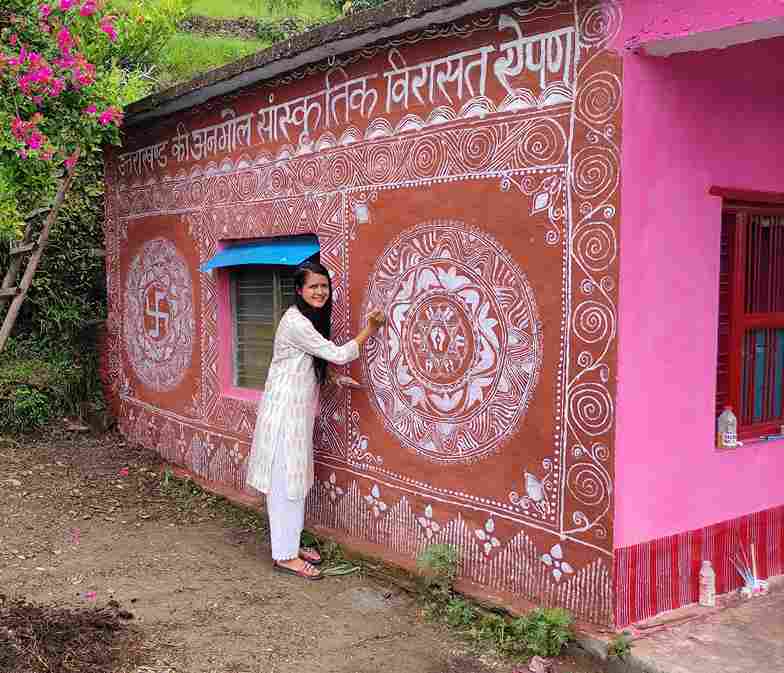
[[701, 161], [574, 213]]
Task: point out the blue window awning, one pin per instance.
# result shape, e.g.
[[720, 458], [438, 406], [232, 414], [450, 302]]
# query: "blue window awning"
[[281, 251]]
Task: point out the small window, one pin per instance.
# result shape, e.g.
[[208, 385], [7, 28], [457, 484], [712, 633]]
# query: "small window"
[[259, 297], [751, 316], [256, 287]]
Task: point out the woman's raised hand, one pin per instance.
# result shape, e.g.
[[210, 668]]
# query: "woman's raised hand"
[[375, 319]]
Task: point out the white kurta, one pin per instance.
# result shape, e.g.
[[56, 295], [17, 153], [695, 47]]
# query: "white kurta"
[[290, 402]]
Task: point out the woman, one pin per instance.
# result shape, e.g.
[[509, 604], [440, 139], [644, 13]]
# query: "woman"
[[281, 460]]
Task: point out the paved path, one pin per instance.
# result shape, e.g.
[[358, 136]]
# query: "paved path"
[[744, 637]]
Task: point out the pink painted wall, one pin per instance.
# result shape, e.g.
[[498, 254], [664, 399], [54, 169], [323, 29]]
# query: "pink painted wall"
[[654, 19], [690, 121]]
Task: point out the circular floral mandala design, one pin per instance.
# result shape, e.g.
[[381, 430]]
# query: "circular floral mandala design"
[[454, 368], [159, 322]]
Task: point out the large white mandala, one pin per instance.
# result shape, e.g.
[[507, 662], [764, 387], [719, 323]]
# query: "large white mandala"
[[454, 368], [159, 323]]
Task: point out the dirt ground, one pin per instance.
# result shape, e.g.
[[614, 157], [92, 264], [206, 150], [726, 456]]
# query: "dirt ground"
[[88, 520]]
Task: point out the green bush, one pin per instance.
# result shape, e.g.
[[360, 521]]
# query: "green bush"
[[438, 566], [39, 384], [545, 631], [620, 646]]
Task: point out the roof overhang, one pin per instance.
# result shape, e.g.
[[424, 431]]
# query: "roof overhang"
[[350, 34], [712, 39]]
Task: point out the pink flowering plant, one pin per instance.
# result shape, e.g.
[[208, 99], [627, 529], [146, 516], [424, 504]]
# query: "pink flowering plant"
[[62, 95]]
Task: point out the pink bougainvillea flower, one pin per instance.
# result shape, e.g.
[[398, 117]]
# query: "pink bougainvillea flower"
[[88, 8], [91, 109], [18, 128], [124, 471], [45, 10], [65, 5], [13, 40], [35, 141], [110, 115], [56, 87], [64, 41], [107, 26], [70, 162]]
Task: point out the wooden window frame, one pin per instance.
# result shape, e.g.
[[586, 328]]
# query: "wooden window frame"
[[277, 314], [744, 204]]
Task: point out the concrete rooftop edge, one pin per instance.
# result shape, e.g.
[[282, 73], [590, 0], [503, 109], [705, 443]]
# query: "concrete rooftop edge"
[[334, 39]]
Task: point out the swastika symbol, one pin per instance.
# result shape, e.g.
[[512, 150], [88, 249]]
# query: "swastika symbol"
[[156, 309]]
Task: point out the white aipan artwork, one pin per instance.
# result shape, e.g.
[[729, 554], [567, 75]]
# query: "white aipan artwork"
[[459, 358], [159, 322]]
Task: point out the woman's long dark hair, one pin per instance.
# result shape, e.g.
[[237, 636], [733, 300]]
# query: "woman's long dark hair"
[[320, 317]]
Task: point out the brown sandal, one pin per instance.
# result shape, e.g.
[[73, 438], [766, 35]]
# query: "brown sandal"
[[310, 555], [302, 572]]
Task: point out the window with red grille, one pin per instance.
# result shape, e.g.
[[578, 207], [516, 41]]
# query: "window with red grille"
[[750, 372]]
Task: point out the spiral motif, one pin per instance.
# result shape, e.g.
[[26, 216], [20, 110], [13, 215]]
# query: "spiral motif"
[[426, 158], [278, 180], [593, 322], [599, 98], [308, 172], [596, 172], [607, 283], [601, 452], [552, 237], [600, 23], [197, 192], [340, 171], [586, 285], [595, 245], [222, 189], [543, 143], [478, 147], [380, 162], [247, 182], [585, 359], [587, 484], [591, 408]]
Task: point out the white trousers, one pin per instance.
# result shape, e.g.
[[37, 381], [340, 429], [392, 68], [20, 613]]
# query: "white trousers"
[[286, 517]]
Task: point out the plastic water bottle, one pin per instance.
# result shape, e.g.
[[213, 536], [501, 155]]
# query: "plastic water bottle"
[[727, 430], [707, 585]]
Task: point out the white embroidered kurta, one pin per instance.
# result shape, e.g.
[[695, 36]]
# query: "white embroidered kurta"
[[289, 404]]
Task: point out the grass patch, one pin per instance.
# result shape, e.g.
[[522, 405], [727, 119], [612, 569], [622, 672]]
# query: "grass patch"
[[189, 55], [541, 632], [311, 9], [37, 386], [192, 499]]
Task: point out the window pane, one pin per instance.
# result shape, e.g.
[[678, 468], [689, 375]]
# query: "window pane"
[[763, 371], [287, 292], [254, 324], [765, 264]]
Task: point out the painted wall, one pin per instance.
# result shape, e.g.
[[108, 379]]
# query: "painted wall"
[[646, 20], [467, 178], [690, 121]]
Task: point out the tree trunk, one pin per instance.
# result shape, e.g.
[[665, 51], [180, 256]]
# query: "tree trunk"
[[35, 258]]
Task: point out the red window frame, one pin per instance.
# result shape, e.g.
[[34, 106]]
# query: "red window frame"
[[735, 319]]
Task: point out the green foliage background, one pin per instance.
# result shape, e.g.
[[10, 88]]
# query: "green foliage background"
[[47, 370]]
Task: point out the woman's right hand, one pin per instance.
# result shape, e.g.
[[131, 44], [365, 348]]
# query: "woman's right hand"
[[375, 319]]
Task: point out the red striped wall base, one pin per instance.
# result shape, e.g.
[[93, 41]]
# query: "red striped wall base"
[[659, 575]]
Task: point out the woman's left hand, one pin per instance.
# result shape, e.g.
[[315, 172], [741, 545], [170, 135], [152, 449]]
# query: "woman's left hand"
[[347, 382]]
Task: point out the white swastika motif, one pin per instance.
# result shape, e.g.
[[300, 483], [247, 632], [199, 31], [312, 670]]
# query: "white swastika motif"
[[159, 321], [455, 367]]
